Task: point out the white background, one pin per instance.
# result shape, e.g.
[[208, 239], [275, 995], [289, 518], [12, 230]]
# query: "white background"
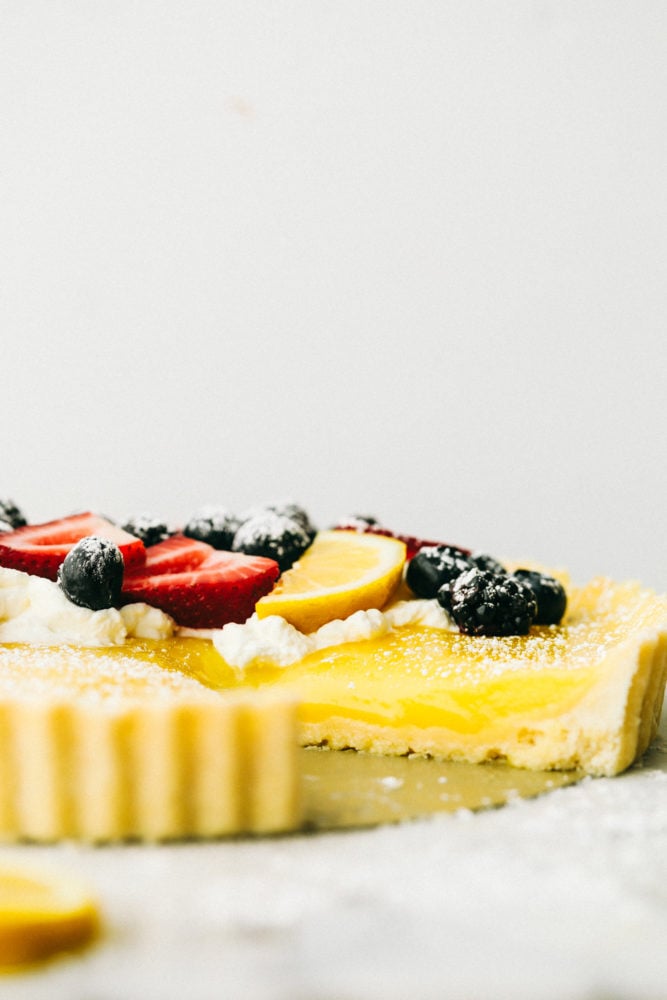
[[406, 259]]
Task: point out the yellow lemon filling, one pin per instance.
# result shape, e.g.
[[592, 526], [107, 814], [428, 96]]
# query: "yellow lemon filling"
[[585, 694]]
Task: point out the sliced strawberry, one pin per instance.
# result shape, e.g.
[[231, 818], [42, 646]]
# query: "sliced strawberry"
[[371, 527], [176, 554], [40, 548], [224, 587], [413, 544]]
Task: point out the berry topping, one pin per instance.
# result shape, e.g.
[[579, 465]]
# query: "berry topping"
[[91, 574], [41, 548], [283, 508], [148, 528], [433, 566], [11, 514], [175, 555], [549, 594], [213, 525], [356, 522], [483, 561], [273, 536], [199, 586], [370, 525], [486, 603]]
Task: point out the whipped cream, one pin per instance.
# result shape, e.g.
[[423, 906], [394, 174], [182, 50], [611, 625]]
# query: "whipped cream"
[[36, 610], [273, 641]]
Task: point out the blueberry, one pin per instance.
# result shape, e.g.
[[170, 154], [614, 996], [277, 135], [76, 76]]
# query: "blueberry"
[[485, 603], [148, 528], [283, 508], [433, 567], [12, 515], [91, 574], [549, 594], [213, 525], [273, 536]]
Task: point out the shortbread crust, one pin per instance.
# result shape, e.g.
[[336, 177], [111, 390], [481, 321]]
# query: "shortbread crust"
[[105, 744]]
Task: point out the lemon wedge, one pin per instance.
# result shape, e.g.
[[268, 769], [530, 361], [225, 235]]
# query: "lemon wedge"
[[42, 914], [342, 572]]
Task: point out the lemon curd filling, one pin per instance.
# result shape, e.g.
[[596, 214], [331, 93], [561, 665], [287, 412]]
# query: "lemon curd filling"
[[584, 694]]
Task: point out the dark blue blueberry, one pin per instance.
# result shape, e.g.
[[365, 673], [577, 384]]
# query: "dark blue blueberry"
[[91, 574], [273, 536], [148, 528], [213, 525], [433, 567], [12, 515], [549, 594]]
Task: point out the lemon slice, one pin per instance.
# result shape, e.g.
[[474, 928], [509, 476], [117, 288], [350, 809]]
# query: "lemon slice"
[[342, 572], [41, 915]]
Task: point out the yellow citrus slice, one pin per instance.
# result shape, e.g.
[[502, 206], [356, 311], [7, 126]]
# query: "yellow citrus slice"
[[342, 572], [42, 914]]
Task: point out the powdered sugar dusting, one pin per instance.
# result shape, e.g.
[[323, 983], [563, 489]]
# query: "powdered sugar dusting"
[[113, 679]]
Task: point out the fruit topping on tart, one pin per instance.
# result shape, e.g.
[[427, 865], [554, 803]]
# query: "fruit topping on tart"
[[41, 548]]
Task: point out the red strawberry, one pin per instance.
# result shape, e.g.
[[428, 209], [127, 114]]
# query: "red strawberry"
[[223, 587], [371, 527], [40, 548], [174, 555]]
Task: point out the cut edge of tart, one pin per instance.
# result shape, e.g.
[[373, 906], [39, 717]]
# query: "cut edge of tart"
[[106, 744], [586, 694]]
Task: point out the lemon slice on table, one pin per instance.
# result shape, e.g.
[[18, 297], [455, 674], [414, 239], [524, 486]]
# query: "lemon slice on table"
[[342, 572], [42, 914]]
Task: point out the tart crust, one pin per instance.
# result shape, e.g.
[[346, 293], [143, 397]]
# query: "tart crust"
[[99, 745]]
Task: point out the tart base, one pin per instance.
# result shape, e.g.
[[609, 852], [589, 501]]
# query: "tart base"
[[145, 754]]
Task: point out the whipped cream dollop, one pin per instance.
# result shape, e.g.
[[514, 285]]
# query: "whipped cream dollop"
[[36, 610], [273, 641]]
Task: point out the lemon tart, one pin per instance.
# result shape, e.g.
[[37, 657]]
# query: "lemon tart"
[[116, 723]]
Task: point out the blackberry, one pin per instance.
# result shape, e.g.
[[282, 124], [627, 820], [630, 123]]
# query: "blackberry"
[[91, 574], [213, 525], [483, 561], [433, 567], [12, 515], [486, 603], [273, 536], [549, 594], [148, 528]]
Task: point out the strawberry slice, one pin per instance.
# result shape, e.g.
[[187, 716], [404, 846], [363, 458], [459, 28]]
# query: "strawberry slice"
[[372, 527], [222, 587], [40, 548], [176, 554]]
